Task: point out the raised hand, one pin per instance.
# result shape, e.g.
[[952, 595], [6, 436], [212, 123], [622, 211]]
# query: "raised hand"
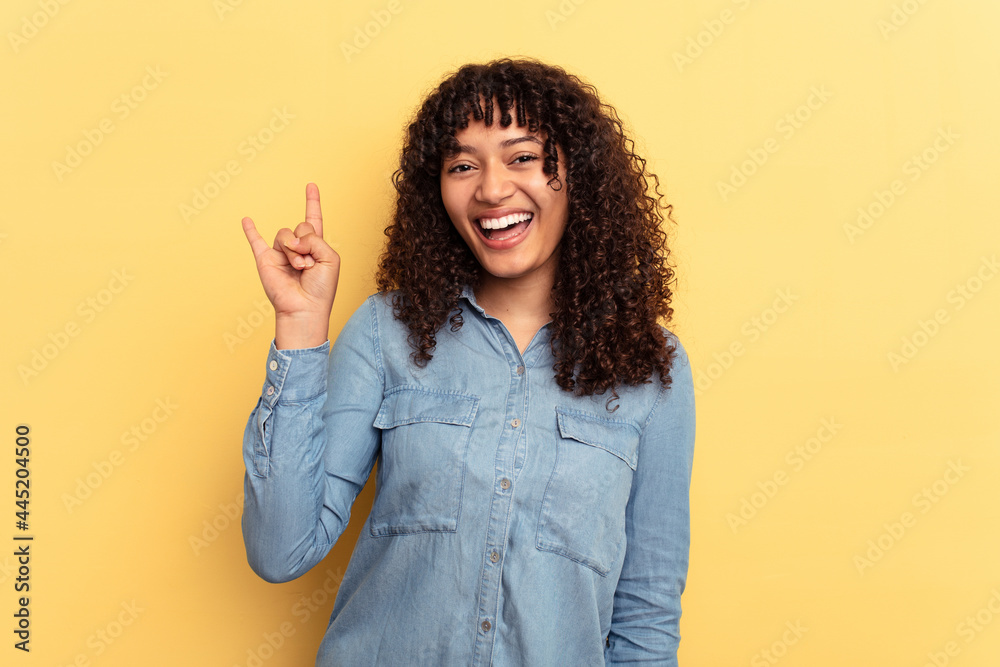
[[299, 274]]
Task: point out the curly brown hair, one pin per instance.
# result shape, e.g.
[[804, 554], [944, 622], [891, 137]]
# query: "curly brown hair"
[[612, 289]]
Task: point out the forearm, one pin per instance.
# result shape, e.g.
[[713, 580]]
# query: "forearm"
[[283, 528], [309, 446]]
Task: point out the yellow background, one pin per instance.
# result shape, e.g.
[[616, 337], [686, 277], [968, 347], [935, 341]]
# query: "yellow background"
[[138, 561]]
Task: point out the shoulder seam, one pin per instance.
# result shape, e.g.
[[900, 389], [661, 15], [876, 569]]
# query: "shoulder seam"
[[376, 342]]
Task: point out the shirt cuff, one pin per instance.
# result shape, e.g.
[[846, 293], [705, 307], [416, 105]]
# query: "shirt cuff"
[[295, 376]]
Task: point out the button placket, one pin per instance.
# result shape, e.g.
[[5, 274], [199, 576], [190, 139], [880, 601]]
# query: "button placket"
[[498, 523]]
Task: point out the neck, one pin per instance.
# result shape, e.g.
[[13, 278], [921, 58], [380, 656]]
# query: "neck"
[[517, 300]]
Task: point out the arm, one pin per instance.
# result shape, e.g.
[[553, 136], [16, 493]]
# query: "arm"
[[309, 446], [646, 619]]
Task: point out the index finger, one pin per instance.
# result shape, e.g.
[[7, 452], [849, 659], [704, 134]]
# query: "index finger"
[[257, 243], [313, 214]]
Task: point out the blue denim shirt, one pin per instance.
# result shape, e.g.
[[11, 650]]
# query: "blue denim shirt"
[[514, 523]]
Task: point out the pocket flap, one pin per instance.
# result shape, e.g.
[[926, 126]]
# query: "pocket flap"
[[620, 438], [412, 405]]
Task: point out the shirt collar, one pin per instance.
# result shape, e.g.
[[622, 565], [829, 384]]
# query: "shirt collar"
[[538, 345], [470, 296]]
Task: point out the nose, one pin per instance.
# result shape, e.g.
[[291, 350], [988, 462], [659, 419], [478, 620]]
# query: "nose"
[[495, 184]]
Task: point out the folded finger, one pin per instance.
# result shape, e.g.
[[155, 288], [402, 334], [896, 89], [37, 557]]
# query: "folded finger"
[[304, 228], [288, 245], [313, 244]]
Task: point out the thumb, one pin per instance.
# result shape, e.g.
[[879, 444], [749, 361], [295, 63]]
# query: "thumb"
[[314, 245]]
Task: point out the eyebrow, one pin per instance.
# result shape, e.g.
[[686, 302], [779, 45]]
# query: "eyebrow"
[[506, 143]]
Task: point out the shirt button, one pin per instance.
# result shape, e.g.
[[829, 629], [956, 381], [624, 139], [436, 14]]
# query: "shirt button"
[[494, 556], [515, 422], [520, 370], [485, 625], [273, 365], [270, 390], [504, 483]]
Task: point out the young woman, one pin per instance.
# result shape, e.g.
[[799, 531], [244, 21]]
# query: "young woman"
[[532, 421]]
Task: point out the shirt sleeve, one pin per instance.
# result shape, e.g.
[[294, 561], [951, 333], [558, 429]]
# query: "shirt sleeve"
[[309, 447], [645, 623]]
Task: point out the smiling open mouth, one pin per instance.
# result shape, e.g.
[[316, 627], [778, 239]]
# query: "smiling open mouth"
[[507, 227]]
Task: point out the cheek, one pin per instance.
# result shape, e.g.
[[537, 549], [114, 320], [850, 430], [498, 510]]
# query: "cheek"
[[446, 199], [559, 204], [454, 203]]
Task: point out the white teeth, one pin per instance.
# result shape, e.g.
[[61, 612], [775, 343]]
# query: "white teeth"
[[505, 221]]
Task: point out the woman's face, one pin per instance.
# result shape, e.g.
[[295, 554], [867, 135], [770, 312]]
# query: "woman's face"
[[500, 202]]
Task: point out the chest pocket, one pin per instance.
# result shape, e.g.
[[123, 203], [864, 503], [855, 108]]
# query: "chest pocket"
[[583, 509], [425, 437]]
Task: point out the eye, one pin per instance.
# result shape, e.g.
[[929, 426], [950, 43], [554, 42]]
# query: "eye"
[[459, 169], [526, 158]]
